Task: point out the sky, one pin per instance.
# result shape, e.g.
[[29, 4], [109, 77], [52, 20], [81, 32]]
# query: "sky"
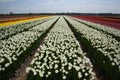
[[53, 6]]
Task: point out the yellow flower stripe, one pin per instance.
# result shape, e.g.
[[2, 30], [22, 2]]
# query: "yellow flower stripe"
[[20, 21]]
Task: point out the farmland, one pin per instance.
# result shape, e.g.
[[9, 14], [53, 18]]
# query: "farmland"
[[59, 48]]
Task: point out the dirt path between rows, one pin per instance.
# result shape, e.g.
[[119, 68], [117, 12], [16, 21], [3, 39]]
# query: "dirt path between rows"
[[21, 72]]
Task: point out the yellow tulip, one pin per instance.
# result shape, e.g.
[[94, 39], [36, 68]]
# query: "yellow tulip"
[[20, 21]]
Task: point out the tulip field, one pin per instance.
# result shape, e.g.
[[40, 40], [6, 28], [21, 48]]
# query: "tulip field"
[[59, 48], [12, 20], [111, 21]]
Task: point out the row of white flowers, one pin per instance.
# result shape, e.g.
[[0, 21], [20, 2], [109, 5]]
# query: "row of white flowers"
[[61, 53], [107, 29], [9, 30], [103, 42], [12, 47]]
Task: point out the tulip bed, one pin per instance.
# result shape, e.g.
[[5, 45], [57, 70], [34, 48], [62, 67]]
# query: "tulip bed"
[[109, 21], [64, 48], [103, 48], [60, 57], [16, 48], [115, 33], [6, 32]]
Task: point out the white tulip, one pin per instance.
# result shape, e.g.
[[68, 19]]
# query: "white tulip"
[[79, 75]]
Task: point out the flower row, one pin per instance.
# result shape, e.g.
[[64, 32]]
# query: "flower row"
[[60, 57], [13, 47], [103, 42], [101, 27], [104, 49], [15, 29]]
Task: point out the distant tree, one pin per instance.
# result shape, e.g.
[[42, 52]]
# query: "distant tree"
[[11, 13]]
